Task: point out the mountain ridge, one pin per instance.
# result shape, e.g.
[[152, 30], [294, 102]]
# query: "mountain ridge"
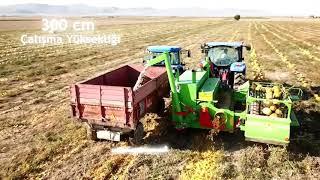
[[31, 9]]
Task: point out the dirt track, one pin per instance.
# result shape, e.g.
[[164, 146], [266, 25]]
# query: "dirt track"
[[39, 139]]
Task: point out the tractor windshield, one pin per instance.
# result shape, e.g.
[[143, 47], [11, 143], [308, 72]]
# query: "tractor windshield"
[[174, 58], [223, 56]]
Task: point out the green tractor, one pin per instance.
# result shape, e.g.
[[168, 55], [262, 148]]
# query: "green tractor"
[[203, 100]]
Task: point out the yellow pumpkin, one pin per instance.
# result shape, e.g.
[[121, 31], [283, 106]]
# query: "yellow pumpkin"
[[278, 112], [266, 111], [273, 115], [273, 108]]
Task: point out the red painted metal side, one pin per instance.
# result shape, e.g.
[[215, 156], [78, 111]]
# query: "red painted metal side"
[[205, 118], [109, 100]]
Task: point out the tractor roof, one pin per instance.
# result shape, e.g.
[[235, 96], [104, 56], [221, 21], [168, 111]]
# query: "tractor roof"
[[164, 49], [231, 44]]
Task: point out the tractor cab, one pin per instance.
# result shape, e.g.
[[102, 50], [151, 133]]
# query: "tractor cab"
[[175, 53], [225, 60]]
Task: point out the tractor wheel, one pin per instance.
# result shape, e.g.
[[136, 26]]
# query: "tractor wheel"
[[138, 134], [239, 79], [91, 132]]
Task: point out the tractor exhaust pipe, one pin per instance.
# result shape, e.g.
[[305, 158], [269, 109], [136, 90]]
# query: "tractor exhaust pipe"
[[194, 77]]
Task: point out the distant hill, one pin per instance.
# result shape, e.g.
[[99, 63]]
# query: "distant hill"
[[81, 9], [45, 9]]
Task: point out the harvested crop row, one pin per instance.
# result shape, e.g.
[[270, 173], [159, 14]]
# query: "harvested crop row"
[[234, 36], [301, 78], [68, 48], [307, 33], [289, 34], [253, 58], [125, 30], [72, 48], [304, 51], [305, 81], [298, 28]]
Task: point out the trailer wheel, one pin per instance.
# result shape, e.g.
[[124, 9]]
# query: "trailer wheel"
[[161, 107], [91, 132], [239, 79], [138, 134]]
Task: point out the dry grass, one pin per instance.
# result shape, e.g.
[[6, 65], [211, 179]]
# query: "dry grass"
[[38, 138]]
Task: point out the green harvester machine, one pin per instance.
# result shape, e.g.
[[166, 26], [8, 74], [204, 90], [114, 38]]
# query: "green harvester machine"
[[201, 99]]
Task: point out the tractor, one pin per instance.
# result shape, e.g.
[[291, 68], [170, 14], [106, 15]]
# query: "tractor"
[[175, 53], [226, 62], [263, 111]]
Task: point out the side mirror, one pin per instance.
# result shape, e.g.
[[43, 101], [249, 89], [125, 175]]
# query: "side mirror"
[[202, 48], [185, 53], [189, 53], [248, 47], [147, 58]]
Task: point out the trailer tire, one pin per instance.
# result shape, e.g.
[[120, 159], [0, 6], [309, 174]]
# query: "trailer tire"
[[91, 132], [138, 134], [161, 107], [239, 79]]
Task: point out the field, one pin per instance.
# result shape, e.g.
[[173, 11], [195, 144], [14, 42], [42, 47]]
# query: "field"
[[39, 139]]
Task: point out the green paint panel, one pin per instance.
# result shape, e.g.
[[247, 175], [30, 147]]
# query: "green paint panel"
[[267, 129], [188, 91], [186, 77], [208, 90], [188, 94], [294, 120]]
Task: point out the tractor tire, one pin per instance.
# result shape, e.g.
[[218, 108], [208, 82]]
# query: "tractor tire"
[[91, 132], [239, 79], [138, 134]]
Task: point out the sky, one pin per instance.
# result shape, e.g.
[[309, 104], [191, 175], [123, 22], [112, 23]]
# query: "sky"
[[307, 7]]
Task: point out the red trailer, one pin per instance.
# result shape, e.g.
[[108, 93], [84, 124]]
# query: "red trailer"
[[110, 107]]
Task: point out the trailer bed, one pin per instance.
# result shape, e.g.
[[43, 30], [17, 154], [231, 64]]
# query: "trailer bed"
[[108, 101]]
